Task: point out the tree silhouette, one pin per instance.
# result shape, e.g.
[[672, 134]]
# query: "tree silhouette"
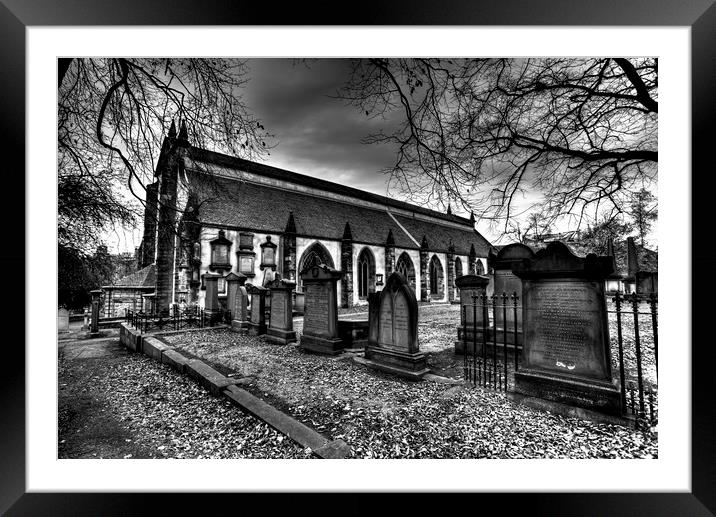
[[575, 134], [112, 116]]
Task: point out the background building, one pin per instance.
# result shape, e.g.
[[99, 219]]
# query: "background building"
[[212, 213]]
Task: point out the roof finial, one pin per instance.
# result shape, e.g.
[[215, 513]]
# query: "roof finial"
[[182, 132], [449, 210], [472, 217], [172, 130]]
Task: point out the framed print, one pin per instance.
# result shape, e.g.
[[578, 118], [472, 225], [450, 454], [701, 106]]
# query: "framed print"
[[407, 260]]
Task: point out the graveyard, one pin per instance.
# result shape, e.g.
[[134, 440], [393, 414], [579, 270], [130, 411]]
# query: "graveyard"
[[376, 412]]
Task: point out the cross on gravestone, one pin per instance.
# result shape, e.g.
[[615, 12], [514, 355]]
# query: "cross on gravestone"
[[257, 322], [320, 312], [469, 334], [280, 330], [393, 333], [566, 355]]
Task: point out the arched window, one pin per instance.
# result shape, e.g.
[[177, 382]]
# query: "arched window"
[[437, 287], [480, 269], [404, 266], [458, 267], [366, 273], [315, 254]]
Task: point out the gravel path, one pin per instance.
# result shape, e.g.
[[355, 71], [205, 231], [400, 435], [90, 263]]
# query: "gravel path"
[[381, 416], [125, 405]]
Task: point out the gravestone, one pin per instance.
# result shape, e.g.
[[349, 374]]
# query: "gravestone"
[[237, 301], [94, 324], [505, 281], [63, 320], [257, 322], [211, 300], [320, 313], [471, 313], [566, 356], [393, 334], [280, 330]]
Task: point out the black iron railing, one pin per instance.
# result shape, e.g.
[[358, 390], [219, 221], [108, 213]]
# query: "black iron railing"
[[176, 319], [637, 345], [483, 363]]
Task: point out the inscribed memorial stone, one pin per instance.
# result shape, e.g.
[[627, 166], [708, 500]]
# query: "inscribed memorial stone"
[[280, 330], [320, 313], [393, 333], [566, 356]]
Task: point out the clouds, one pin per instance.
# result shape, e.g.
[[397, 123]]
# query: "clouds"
[[315, 133]]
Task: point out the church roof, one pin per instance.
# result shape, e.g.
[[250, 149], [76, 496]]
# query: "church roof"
[[145, 277], [235, 203]]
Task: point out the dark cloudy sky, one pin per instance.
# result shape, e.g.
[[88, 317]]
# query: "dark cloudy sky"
[[316, 134]]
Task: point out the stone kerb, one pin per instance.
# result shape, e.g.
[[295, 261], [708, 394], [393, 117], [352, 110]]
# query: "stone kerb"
[[320, 316], [280, 330], [393, 334], [470, 331], [566, 356]]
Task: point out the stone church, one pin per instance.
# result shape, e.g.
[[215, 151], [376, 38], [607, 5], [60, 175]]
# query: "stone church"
[[212, 213]]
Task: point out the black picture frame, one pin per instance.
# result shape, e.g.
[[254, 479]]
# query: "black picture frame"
[[699, 15]]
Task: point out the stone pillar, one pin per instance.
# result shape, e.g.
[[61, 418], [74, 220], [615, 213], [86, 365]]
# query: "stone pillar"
[[451, 272], [94, 325], [389, 254], [470, 331], [424, 272], [472, 260], [257, 323], [280, 330], [289, 249], [211, 300], [233, 282], [347, 267]]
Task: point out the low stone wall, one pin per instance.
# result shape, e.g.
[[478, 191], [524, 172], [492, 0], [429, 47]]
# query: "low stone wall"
[[222, 386], [130, 337]]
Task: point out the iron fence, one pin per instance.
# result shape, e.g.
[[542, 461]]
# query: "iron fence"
[[489, 337], [494, 323], [176, 319], [637, 347]]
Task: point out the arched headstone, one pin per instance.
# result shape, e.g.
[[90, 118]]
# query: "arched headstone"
[[393, 335]]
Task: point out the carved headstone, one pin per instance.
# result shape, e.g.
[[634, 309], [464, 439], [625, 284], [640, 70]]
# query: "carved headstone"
[[566, 356], [237, 301], [320, 316], [505, 281], [63, 320], [257, 322], [470, 332], [280, 328], [393, 333]]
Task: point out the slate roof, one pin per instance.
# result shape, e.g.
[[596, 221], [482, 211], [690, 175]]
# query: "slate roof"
[[440, 238], [239, 204], [145, 277]]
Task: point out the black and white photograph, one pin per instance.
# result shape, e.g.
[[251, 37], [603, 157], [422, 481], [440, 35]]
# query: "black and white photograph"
[[358, 258]]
